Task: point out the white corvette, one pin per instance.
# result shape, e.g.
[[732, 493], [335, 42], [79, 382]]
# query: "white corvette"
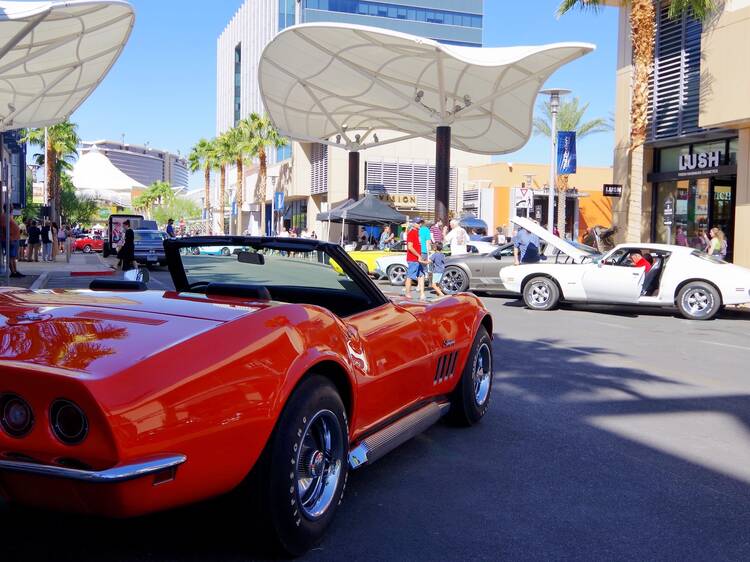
[[697, 284]]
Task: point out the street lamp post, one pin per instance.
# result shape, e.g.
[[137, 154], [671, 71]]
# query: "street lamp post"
[[554, 102]]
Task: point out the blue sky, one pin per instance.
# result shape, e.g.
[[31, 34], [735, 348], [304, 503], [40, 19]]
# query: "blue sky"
[[163, 88]]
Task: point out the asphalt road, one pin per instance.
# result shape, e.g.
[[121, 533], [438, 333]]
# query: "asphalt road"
[[614, 434]]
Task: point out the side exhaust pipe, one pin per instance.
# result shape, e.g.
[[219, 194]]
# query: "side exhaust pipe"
[[384, 441]]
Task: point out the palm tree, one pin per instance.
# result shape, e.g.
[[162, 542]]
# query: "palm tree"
[[236, 149], [61, 145], [643, 34], [262, 135], [569, 118], [203, 157], [224, 157]]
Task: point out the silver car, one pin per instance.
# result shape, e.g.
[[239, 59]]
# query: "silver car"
[[476, 272]]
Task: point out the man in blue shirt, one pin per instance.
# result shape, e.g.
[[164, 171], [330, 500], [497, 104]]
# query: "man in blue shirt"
[[425, 237], [525, 247], [170, 228]]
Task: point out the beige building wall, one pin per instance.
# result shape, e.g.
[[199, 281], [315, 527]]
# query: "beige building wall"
[[725, 89]]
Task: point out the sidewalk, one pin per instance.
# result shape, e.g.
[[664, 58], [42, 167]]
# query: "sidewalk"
[[39, 274]]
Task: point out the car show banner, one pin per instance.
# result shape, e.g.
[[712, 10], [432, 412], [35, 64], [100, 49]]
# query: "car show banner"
[[566, 153]]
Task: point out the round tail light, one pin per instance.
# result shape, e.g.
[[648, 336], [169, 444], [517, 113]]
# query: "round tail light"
[[69, 423], [17, 417]]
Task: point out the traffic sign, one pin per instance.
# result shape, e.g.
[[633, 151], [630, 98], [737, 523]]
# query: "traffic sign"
[[668, 211]]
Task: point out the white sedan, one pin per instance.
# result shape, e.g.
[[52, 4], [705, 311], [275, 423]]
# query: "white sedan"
[[394, 267], [697, 284]]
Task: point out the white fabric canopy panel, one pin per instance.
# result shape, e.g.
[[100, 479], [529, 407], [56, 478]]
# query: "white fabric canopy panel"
[[95, 176], [320, 81], [54, 54]]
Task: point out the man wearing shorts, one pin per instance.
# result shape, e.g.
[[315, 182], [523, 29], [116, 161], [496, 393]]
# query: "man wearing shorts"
[[414, 260], [15, 234]]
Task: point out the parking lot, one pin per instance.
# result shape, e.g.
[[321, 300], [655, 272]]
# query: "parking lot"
[[613, 434]]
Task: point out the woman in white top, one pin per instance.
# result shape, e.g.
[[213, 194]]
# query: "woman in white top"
[[458, 239]]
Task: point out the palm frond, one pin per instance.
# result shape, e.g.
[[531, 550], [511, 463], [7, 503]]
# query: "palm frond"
[[699, 9], [567, 5]]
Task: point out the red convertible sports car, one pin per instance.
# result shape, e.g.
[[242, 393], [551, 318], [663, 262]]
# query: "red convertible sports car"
[[88, 244], [265, 367]]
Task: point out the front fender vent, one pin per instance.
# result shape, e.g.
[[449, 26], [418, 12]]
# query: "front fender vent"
[[446, 367]]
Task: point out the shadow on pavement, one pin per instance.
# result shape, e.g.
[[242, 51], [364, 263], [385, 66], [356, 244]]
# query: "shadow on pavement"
[[537, 479]]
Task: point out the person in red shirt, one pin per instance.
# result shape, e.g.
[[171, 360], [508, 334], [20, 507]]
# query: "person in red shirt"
[[414, 261], [639, 261]]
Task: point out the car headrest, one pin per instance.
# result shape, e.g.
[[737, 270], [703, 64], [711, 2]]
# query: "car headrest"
[[237, 290]]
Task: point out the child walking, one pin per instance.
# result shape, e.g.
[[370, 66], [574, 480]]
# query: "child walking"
[[437, 263]]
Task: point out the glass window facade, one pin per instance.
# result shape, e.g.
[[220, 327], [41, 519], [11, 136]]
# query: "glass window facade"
[[284, 153], [385, 10], [700, 203], [287, 11], [237, 83]]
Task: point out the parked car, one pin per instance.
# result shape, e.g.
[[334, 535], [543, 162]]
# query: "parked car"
[[219, 251], [366, 258], [697, 284], [394, 267], [88, 243], [149, 247], [268, 368]]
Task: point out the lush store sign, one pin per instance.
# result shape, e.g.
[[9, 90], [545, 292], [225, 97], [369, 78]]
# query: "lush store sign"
[[699, 164]]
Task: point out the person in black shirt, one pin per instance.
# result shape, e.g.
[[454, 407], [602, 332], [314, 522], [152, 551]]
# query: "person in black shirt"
[[47, 241], [35, 241], [127, 252]]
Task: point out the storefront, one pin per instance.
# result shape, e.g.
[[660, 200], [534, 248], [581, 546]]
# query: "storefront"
[[700, 180]]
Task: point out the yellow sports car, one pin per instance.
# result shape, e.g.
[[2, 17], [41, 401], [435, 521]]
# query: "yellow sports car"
[[366, 258]]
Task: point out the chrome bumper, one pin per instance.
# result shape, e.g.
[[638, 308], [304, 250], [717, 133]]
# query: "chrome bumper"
[[120, 473]]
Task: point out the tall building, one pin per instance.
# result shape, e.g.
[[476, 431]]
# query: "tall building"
[[144, 164], [696, 162], [313, 177]]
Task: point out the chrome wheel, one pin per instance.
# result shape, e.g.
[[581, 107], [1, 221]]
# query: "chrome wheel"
[[539, 293], [454, 281], [397, 274], [225, 251], [320, 454], [87, 249], [482, 374], [697, 301]]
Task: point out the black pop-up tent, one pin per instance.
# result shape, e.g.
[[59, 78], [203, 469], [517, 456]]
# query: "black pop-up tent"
[[366, 211]]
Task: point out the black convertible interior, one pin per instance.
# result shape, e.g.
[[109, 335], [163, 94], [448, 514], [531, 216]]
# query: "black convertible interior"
[[340, 303]]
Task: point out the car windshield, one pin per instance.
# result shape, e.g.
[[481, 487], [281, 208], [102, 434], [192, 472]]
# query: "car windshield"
[[289, 272], [148, 236]]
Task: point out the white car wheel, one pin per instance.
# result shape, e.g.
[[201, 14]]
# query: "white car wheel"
[[454, 281], [698, 301], [397, 275], [541, 293]]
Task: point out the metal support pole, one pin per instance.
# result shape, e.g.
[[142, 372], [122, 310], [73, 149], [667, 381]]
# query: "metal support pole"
[[353, 192], [555, 104], [442, 172]]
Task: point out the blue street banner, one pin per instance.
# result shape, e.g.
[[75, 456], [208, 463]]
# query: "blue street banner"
[[566, 153], [278, 201]]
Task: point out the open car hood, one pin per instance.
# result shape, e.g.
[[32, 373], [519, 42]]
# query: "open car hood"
[[552, 240]]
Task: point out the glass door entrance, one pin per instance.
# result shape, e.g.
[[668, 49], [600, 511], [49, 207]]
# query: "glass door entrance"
[[722, 210]]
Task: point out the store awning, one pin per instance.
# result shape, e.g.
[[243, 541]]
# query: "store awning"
[[54, 54], [342, 83]]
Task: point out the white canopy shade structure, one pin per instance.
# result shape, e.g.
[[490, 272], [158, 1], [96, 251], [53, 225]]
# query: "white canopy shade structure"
[[95, 176], [340, 84], [54, 54], [322, 80]]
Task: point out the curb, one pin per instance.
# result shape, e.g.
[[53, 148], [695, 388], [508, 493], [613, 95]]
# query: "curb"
[[40, 282]]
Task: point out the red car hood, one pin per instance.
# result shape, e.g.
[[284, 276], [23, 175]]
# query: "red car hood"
[[100, 333]]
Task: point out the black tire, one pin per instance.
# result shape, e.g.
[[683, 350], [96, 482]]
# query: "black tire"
[[541, 293], [87, 249], [363, 266], [471, 398], [397, 275], [454, 281], [225, 252], [699, 300], [294, 530]]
